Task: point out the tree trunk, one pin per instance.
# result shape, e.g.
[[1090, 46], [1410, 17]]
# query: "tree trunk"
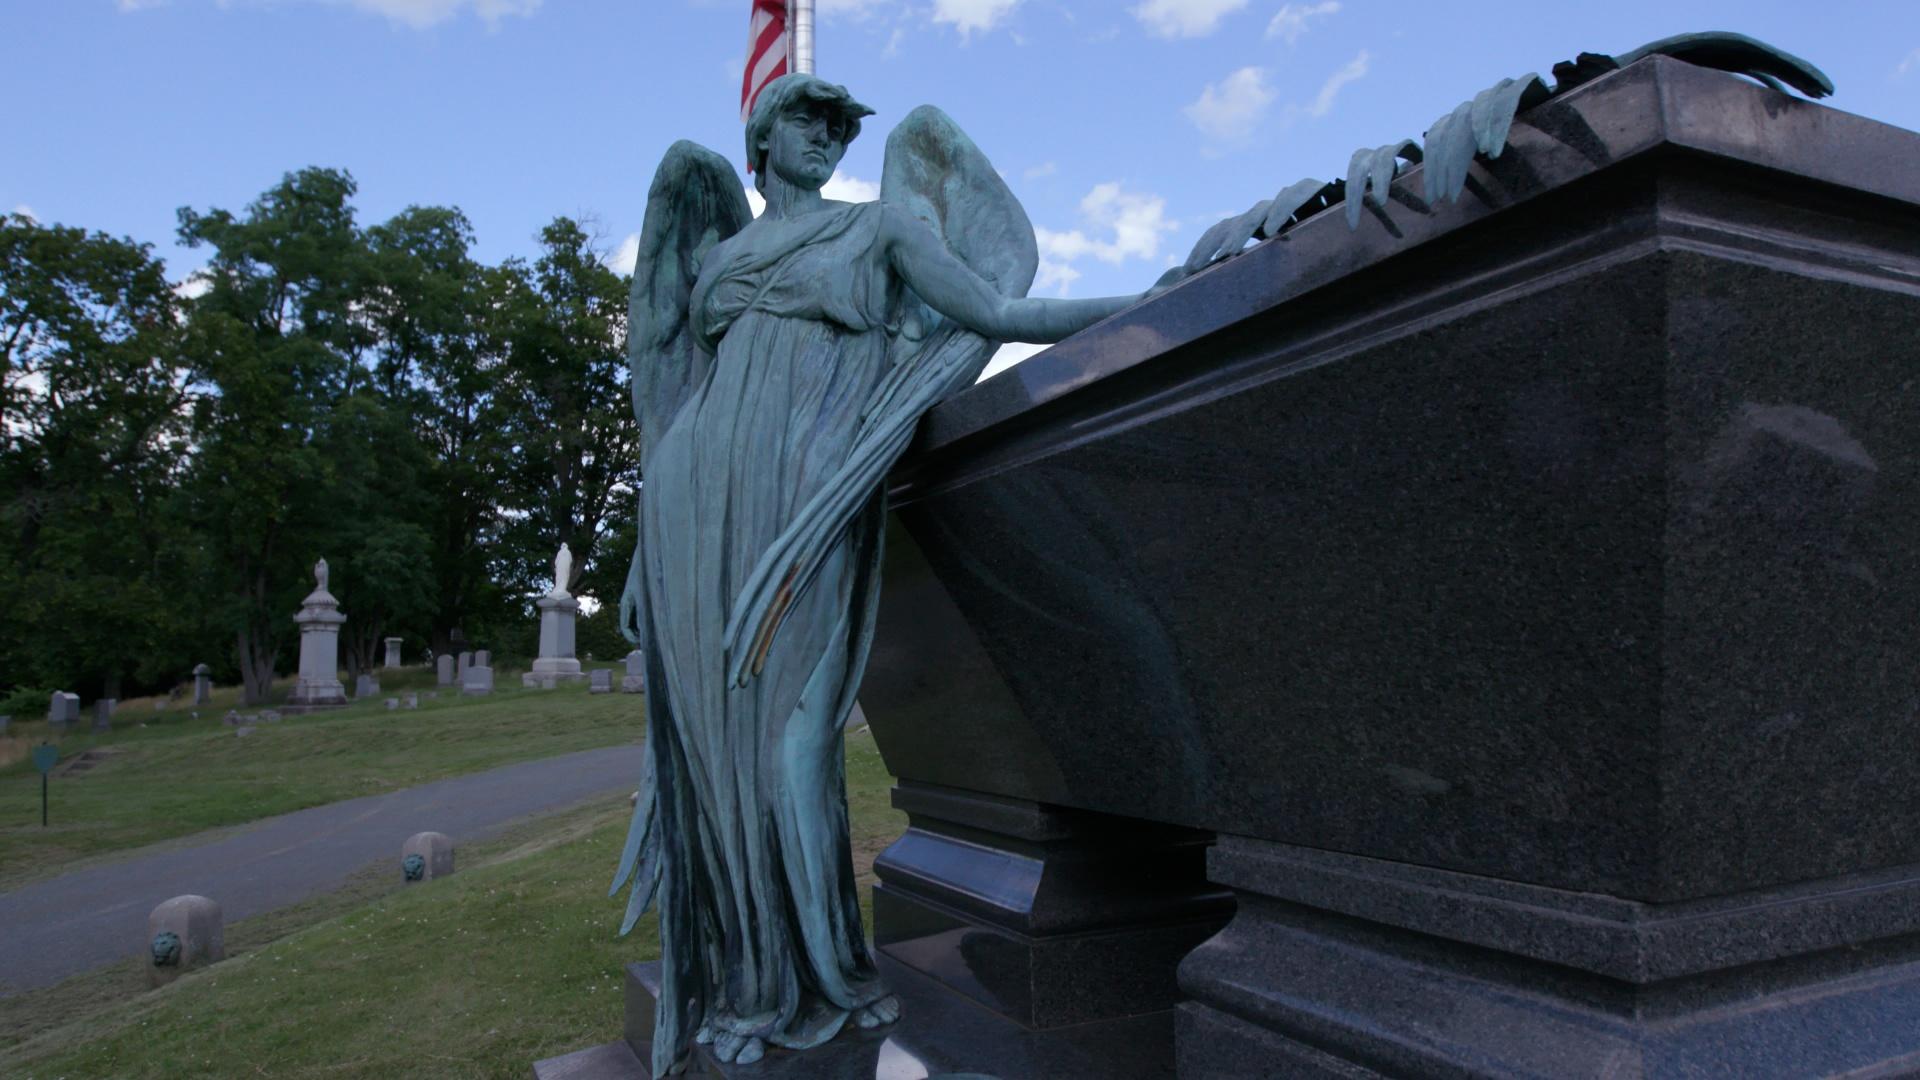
[[256, 666]]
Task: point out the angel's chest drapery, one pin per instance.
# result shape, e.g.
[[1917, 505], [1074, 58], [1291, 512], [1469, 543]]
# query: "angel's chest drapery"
[[823, 267]]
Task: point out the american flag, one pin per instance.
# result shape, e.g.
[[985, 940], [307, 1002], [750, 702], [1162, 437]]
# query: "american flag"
[[766, 51]]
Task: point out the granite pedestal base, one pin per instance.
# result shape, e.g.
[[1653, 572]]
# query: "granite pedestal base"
[[1047, 916], [939, 1033], [1341, 966]]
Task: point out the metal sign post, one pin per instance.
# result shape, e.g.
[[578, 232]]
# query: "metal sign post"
[[45, 757]]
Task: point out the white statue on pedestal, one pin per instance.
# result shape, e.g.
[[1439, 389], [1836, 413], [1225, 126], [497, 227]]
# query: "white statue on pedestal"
[[562, 570]]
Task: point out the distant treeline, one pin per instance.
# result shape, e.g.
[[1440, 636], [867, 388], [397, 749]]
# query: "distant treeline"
[[174, 459]]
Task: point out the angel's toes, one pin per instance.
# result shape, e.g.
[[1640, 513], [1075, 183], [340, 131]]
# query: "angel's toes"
[[728, 1046], [753, 1051], [884, 1011], [704, 1036]]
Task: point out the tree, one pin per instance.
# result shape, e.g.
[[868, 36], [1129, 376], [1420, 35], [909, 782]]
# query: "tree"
[[275, 339], [92, 437], [575, 454]]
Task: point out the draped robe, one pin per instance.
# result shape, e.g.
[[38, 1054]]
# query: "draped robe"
[[760, 921]]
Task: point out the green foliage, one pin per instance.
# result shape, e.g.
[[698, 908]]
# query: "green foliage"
[[171, 468], [26, 701]]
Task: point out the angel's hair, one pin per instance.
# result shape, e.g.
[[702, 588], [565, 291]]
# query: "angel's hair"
[[782, 94]]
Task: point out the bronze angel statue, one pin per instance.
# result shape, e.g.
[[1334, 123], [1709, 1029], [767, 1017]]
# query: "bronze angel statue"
[[779, 367]]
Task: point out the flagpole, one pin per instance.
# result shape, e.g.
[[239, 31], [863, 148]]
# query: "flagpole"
[[800, 34]]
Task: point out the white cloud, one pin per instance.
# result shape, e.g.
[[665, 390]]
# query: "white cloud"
[[1355, 70], [1291, 20], [1044, 169], [968, 16], [857, 9], [626, 255], [418, 14], [1010, 354], [1911, 63], [850, 188], [26, 211], [1185, 18], [197, 284], [1230, 109], [1133, 221]]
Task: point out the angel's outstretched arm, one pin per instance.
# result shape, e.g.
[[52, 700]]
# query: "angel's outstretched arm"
[[949, 287]]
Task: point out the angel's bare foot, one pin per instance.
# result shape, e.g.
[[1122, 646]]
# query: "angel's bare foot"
[[884, 1011], [704, 1036], [750, 1053], [744, 1049]]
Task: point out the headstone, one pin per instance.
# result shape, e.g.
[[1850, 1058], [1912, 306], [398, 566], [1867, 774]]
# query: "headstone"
[[184, 933], [271, 716], [365, 686], [600, 681], [202, 684], [426, 856], [461, 666], [393, 652], [4, 721], [393, 703], [318, 686], [483, 657], [64, 710], [556, 663], [478, 680], [412, 700], [443, 670], [635, 680], [1577, 674], [103, 714]]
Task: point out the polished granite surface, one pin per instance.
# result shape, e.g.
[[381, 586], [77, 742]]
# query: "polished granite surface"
[[1570, 545]]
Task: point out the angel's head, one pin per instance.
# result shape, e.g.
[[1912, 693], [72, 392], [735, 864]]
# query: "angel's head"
[[799, 128]]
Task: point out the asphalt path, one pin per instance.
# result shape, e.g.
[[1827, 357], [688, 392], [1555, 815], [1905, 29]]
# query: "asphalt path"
[[66, 925]]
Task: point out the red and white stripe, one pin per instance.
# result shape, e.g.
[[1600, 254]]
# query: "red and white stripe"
[[766, 51]]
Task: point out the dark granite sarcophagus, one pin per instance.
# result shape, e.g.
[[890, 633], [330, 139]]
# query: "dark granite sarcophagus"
[[1522, 596]]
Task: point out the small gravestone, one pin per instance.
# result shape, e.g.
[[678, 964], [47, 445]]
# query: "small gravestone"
[[393, 652], [202, 684], [366, 686], [243, 731], [426, 856], [103, 714], [184, 933], [393, 703], [4, 721], [478, 680], [635, 680], [270, 716], [411, 701], [483, 657], [443, 670], [600, 681], [63, 710], [460, 667]]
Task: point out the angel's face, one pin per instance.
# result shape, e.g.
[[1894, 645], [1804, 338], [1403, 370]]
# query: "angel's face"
[[805, 144]]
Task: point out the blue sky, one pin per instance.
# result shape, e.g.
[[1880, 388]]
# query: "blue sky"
[[1126, 127]]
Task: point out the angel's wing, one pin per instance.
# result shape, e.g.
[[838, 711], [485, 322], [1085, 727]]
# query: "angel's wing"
[[695, 202], [934, 172]]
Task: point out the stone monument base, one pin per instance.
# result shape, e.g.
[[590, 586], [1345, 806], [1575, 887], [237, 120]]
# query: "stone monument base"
[[939, 1032], [547, 680]]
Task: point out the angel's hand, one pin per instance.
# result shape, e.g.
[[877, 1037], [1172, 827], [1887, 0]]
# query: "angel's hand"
[[1167, 281]]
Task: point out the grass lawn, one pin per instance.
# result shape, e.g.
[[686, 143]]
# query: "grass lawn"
[[172, 775], [510, 960]]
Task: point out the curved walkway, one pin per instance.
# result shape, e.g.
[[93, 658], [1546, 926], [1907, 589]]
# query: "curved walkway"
[[79, 921]]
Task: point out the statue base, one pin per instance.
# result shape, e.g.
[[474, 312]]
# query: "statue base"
[[939, 1031]]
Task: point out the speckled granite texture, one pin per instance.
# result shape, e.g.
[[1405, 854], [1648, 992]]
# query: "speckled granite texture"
[[1523, 589]]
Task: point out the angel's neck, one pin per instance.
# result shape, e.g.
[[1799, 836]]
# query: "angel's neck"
[[788, 200]]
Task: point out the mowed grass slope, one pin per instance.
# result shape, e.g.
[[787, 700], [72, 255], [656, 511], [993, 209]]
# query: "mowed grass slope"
[[176, 776], [478, 975]]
